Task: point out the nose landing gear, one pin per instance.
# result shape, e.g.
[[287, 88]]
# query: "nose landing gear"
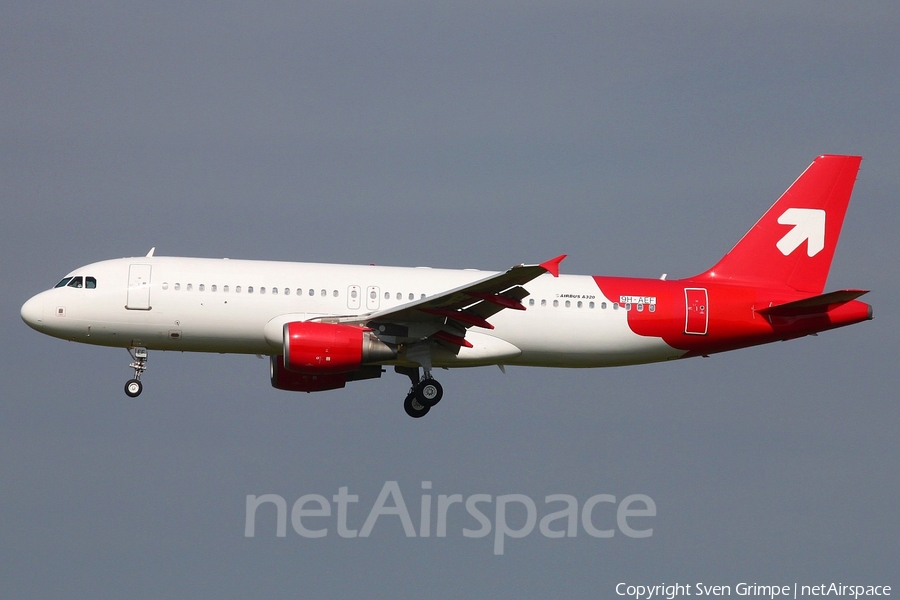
[[134, 387]]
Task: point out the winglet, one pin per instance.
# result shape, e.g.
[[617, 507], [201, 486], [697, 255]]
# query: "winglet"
[[552, 265]]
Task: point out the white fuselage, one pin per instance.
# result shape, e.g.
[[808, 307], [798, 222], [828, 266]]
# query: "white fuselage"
[[240, 306]]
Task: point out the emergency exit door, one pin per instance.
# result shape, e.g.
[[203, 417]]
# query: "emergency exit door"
[[696, 319]]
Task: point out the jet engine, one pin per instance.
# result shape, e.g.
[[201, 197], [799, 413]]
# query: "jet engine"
[[314, 348]]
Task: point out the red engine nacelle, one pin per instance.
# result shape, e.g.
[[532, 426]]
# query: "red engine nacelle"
[[313, 348], [283, 379]]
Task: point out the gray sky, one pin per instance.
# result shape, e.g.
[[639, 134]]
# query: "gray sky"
[[639, 138]]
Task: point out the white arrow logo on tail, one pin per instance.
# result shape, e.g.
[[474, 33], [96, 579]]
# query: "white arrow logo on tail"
[[809, 224]]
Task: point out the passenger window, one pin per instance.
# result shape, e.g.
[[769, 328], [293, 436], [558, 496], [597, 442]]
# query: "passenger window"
[[274, 291], [628, 306], [652, 308], [591, 304], [212, 288], [531, 302], [299, 292], [412, 296], [555, 303], [63, 283], [579, 304], [165, 285], [225, 288], [399, 296], [237, 289], [372, 294], [312, 292], [262, 290], [387, 295], [568, 303], [177, 286], [615, 306], [324, 293], [91, 283], [190, 286], [335, 293], [76, 282], [640, 307], [603, 305], [543, 303], [249, 289], [353, 294], [201, 287]]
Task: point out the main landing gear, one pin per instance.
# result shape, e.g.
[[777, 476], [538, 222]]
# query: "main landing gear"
[[423, 394], [134, 387]]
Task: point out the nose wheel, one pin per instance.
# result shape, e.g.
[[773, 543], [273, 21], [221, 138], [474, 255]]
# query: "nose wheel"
[[134, 387]]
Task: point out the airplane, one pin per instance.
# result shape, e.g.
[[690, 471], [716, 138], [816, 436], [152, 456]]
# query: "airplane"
[[324, 325]]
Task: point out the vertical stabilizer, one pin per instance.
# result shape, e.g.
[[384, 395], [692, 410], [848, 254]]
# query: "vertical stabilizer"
[[792, 245]]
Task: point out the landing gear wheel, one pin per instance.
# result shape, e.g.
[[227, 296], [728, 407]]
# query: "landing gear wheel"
[[429, 392], [133, 388], [413, 407]]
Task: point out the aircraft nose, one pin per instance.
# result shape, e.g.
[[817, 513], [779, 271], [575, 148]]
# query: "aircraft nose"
[[33, 312]]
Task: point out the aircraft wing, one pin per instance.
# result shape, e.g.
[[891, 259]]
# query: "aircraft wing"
[[467, 306]]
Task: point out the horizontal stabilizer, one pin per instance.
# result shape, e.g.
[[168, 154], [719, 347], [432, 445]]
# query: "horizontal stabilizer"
[[814, 305]]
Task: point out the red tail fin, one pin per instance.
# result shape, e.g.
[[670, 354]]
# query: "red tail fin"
[[793, 243]]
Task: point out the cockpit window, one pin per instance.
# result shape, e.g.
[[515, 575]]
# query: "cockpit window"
[[78, 282]]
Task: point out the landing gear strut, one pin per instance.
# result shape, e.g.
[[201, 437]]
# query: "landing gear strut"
[[134, 387], [423, 393]]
